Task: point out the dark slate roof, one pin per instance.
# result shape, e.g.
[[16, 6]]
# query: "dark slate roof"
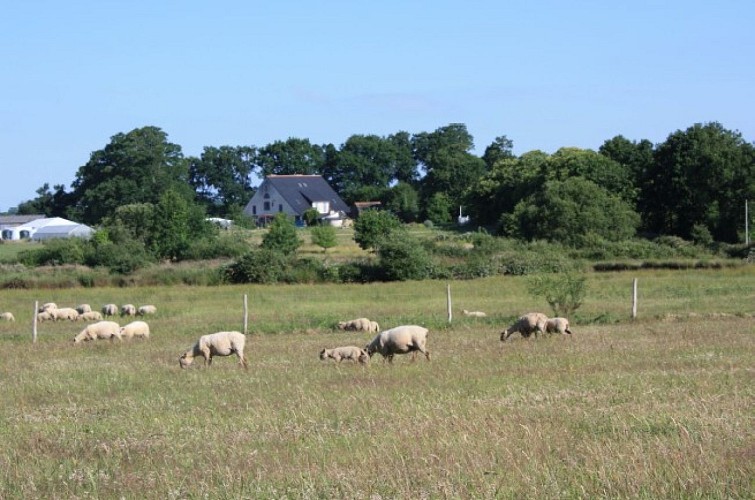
[[300, 191]]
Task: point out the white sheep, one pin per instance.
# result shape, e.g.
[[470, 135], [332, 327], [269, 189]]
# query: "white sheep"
[[558, 325], [83, 308], [474, 314], [90, 316], [138, 329], [68, 313], [216, 344], [128, 310], [109, 310], [359, 325], [144, 310], [45, 316], [49, 306], [106, 330], [8, 316], [348, 352], [400, 340], [526, 325]]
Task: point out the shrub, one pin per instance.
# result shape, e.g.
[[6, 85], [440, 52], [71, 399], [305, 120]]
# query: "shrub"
[[281, 237], [373, 227], [324, 237], [404, 259], [563, 292], [259, 266]]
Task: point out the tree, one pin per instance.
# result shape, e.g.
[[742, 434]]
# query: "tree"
[[568, 211], [289, 157], [373, 227], [439, 208], [700, 176], [50, 203], [402, 200], [221, 177], [500, 149], [176, 224], [564, 293], [404, 259], [635, 156], [606, 173], [324, 237], [136, 167], [281, 236]]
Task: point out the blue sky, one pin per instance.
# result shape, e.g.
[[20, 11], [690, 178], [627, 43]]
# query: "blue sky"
[[547, 74]]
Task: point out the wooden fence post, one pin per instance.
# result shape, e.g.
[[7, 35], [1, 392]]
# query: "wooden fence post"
[[246, 315], [34, 322], [448, 302], [634, 298]]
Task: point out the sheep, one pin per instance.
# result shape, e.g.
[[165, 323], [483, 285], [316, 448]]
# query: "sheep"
[[400, 340], [558, 325], [135, 329], [109, 310], [45, 316], [216, 344], [526, 325], [90, 316], [8, 316], [83, 308], [349, 352], [474, 314], [144, 310], [100, 330], [128, 310], [68, 313], [359, 325], [47, 307]]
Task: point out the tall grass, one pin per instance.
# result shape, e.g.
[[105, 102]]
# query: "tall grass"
[[656, 408]]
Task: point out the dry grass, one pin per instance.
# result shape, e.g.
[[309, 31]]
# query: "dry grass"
[[645, 409]]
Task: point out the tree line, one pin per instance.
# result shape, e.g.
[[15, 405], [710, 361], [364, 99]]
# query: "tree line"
[[693, 185]]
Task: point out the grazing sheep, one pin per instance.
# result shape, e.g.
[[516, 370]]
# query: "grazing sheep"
[[474, 314], [128, 310], [526, 325], [7, 316], [83, 308], [109, 310], [90, 316], [359, 325], [144, 310], [216, 344], [47, 307], [558, 325], [400, 340], [102, 330], [138, 329], [349, 352], [68, 313], [45, 316]]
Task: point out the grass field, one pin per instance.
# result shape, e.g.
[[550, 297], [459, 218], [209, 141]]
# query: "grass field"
[[659, 407]]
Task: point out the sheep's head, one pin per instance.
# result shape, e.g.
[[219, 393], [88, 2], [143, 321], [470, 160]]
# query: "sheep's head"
[[322, 354], [363, 358], [186, 359], [369, 350], [341, 325], [503, 335]]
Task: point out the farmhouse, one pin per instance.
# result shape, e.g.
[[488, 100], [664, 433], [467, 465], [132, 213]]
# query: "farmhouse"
[[43, 228], [294, 195]]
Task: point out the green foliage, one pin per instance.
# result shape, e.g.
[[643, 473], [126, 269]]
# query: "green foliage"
[[56, 252], [402, 259], [262, 265], [311, 216], [564, 293], [221, 178], [701, 235], [439, 208], [324, 237], [373, 227], [282, 237], [175, 225], [402, 200]]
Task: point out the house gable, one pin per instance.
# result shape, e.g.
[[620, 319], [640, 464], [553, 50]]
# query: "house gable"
[[294, 195]]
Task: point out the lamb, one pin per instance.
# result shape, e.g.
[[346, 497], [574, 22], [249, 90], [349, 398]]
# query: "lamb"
[[349, 352], [128, 310], [474, 314], [144, 310], [90, 316], [138, 329], [558, 325], [359, 325], [526, 325], [216, 344], [109, 310], [8, 316], [47, 307], [68, 313], [400, 340], [83, 308], [101, 330], [45, 316]]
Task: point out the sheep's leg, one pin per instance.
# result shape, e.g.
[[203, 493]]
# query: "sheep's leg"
[[242, 361]]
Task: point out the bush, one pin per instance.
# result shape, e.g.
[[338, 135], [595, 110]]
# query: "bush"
[[373, 227], [563, 292], [281, 237], [404, 259], [259, 266], [56, 252], [324, 237]]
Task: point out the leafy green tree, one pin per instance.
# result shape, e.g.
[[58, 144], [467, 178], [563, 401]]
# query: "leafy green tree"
[[136, 167], [500, 149], [402, 200], [635, 156], [289, 157], [564, 292], [373, 227], [439, 208], [50, 203], [281, 237], [324, 237], [571, 210], [402, 259], [221, 177], [606, 173], [261, 265], [311, 216], [700, 176], [176, 224]]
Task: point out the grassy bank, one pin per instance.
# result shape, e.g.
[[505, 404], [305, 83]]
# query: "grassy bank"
[[657, 407]]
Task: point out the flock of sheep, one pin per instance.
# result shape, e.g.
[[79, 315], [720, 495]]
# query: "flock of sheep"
[[398, 340]]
